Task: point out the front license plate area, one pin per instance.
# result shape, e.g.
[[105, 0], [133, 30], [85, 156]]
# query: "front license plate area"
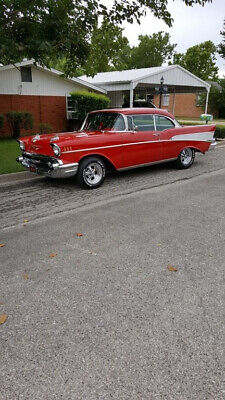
[[33, 169]]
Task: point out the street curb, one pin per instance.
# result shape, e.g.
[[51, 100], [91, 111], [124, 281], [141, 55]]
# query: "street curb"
[[17, 177]]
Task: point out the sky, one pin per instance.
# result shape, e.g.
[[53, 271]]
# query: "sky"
[[191, 26]]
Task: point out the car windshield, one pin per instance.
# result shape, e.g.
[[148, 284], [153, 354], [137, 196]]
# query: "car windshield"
[[104, 121]]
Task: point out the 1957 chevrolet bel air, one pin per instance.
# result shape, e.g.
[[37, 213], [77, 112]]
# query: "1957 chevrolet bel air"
[[115, 138]]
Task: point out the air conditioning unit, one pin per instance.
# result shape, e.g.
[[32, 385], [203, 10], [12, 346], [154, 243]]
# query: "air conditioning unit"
[[71, 115]]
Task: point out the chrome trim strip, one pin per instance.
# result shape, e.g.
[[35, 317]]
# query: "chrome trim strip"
[[131, 144], [114, 145], [146, 164]]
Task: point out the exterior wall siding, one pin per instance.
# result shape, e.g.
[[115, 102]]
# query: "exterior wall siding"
[[44, 83], [45, 109]]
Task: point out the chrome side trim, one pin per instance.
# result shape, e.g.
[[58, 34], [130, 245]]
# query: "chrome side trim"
[[131, 144], [114, 145], [147, 164]]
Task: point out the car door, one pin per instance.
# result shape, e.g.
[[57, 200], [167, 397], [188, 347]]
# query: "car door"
[[164, 127], [141, 143]]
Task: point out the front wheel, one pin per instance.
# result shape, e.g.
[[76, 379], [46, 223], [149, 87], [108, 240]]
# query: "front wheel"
[[91, 173], [185, 158]]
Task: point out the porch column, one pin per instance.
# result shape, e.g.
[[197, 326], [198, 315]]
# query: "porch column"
[[174, 94], [131, 94], [207, 100]]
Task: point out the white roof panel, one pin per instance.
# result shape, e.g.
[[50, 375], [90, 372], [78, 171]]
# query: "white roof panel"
[[121, 76], [173, 75]]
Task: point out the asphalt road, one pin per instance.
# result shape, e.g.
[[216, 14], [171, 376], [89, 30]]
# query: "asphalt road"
[[104, 317]]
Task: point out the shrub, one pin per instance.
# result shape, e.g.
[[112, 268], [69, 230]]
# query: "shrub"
[[220, 132], [44, 128], [1, 120], [19, 120], [85, 101]]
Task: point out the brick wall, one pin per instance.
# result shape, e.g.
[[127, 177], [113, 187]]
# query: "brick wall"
[[45, 109], [185, 105]]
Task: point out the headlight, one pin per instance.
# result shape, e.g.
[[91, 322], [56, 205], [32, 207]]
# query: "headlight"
[[56, 149], [21, 144]]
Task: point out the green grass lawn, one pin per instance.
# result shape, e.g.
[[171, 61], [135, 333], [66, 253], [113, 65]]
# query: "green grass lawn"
[[217, 121], [9, 150]]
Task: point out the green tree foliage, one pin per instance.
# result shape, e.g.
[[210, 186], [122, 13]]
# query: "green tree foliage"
[[200, 60], [216, 99], [85, 102], [152, 51], [109, 49], [48, 29], [19, 120], [222, 44]]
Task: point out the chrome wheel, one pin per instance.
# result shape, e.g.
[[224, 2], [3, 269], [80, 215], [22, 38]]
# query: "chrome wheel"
[[93, 173], [186, 158]]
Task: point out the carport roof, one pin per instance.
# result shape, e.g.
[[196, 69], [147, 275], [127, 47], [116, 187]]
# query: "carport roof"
[[175, 77]]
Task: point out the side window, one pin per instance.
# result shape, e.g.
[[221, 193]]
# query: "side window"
[[144, 122], [163, 123], [130, 123]]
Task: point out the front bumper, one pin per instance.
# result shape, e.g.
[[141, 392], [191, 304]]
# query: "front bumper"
[[47, 166]]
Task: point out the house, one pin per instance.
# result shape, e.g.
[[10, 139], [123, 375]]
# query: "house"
[[181, 88], [43, 92]]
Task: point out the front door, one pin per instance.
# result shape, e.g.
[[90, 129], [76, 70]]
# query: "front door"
[[141, 143]]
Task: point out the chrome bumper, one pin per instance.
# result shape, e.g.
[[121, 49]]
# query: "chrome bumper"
[[47, 166], [212, 145]]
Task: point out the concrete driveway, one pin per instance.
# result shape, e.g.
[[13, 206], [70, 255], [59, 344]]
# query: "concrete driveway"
[[131, 309]]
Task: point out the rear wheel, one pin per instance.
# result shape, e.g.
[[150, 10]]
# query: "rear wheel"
[[185, 158], [91, 173]]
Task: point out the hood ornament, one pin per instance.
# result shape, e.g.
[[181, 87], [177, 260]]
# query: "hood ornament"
[[55, 138], [36, 137]]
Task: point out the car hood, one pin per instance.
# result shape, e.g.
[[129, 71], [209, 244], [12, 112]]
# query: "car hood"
[[41, 143]]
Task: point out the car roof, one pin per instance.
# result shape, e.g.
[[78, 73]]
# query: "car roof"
[[136, 111]]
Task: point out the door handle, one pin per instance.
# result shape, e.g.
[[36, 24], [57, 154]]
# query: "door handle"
[[156, 134]]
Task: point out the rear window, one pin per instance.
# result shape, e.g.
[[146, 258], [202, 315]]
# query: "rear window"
[[163, 123]]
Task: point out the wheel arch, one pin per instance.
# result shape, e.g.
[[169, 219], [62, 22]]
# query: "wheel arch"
[[108, 163]]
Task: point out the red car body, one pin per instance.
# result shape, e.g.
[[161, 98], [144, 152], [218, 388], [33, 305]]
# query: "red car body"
[[134, 137]]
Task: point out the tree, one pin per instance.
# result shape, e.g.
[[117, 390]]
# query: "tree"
[[152, 51], [222, 44], [109, 49], [50, 29], [200, 60], [216, 99]]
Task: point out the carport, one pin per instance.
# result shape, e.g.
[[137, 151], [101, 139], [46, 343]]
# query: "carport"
[[146, 81]]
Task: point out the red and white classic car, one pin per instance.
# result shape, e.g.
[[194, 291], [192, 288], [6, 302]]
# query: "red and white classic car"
[[118, 139]]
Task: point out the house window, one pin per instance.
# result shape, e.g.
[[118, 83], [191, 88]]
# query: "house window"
[[200, 100], [26, 74], [165, 99]]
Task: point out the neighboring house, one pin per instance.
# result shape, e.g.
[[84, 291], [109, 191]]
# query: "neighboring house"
[[180, 98], [41, 91]]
